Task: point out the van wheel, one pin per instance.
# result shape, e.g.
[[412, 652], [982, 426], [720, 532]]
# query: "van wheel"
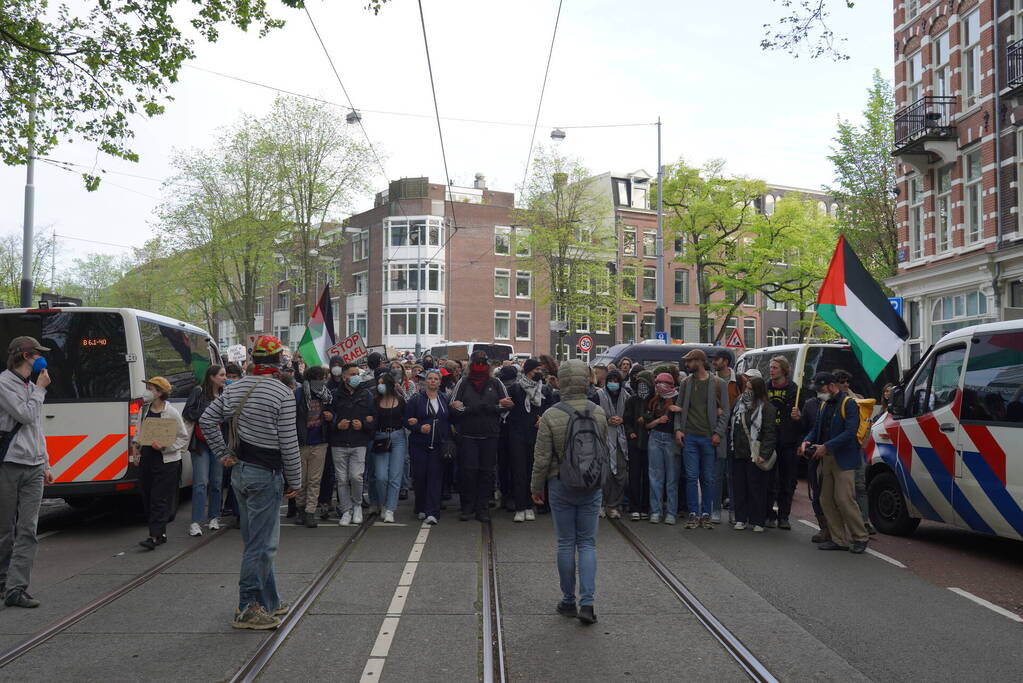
[[888, 509]]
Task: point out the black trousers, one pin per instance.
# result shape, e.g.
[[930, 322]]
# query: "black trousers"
[[783, 482], [477, 459], [328, 482], [749, 491], [814, 482], [639, 482], [159, 480], [505, 469], [427, 478], [521, 460]]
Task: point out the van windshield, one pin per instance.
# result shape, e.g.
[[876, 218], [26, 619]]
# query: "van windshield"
[[87, 360]]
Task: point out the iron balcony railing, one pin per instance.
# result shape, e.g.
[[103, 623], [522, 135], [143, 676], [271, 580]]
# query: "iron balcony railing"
[[928, 117], [1014, 65]]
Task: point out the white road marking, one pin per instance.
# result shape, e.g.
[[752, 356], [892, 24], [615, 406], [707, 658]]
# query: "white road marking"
[[810, 524], [388, 524], [985, 603], [384, 638], [870, 551], [374, 667], [47, 534]]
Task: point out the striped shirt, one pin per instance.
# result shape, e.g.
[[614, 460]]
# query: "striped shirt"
[[267, 421]]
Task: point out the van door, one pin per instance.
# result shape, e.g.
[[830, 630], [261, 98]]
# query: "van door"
[[989, 480]]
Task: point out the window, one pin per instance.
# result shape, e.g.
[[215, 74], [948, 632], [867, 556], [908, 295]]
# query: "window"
[[282, 301], [502, 240], [523, 284], [993, 386], [629, 241], [502, 282], [943, 225], [1016, 294], [942, 70], [522, 248], [769, 205], [401, 320], [973, 196], [914, 77], [621, 191], [773, 305], [936, 383], [749, 332], [411, 232], [628, 327], [639, 192], [914, 319], [357, 322], [360, 246], [602, 321], [776, 336], [912, 9], [259, 308], [649, 284], [629, 283], [298, 315], [681, 288], [680, 245], [502, 325], [180, 356], [955, 311], [648, 325], [730, 327], [970, 46], [677, 328], [583, 323], [282, 333], [408, 277], [649, 244], [916, 217], [523, 325], [360, 284]]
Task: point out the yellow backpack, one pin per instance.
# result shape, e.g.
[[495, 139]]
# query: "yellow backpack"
[[866, 408]]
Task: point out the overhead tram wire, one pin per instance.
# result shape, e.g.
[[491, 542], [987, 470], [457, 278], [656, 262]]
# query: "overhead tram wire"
[[539, 104]]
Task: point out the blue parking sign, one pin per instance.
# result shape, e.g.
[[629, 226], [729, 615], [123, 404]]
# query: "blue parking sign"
[[663, 336], [896, 302]]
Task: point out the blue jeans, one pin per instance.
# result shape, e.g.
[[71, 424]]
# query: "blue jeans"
[[664, 463], [575, 523], [258, 492], [389, 468], [699, 456], [207, 474]]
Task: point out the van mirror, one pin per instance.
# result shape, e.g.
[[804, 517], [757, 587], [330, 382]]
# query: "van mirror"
[[897, 403]]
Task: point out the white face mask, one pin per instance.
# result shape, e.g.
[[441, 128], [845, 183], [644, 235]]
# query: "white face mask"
[[336, 371], [823, 396], [148, 396]]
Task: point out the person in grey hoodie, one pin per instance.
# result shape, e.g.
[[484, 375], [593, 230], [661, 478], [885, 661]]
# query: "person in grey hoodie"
[[25, 467]]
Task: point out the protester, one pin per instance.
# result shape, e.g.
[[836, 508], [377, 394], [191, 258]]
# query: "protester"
[[613, 398], [639, 472], [25, 466], [159, 464], [427, 417], [351, 412], [531, 397], [751, 427], [844, 377], [833, 441], [389, 447], [312, 400], [402, 382], [662, 453], [263, 410], [478, 403], [374, 362], [575, 512], [782, 392], [807, 418], [599, 375], [234, 373], [699, 428], [207, 472], [508, 374], [721, 364]]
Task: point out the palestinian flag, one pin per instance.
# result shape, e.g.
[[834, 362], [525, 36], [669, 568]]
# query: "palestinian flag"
[[319, 333], [852, 302]]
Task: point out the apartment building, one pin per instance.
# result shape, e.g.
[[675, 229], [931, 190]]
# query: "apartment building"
[[959, 99]]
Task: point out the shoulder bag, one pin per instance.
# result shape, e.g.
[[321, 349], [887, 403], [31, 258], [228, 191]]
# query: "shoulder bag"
[[233, 437], [754, 449]]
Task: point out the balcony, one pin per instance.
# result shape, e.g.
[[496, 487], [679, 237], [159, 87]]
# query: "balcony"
[[1014, 68], [925, 130]]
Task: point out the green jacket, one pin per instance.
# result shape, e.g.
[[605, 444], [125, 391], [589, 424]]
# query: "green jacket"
[[574, 379]]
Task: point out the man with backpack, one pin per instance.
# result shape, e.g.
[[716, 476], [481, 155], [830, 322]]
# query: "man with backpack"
[[843, 377], [571, 457]]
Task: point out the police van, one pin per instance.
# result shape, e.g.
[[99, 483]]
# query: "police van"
[[950, 449], [97, 361]]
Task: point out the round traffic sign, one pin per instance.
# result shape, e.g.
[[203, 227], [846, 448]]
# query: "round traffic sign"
[[585, 343]]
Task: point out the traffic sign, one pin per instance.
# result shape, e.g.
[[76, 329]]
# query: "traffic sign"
[[735, 340], [663, 336], [585, 343], [896, 302]]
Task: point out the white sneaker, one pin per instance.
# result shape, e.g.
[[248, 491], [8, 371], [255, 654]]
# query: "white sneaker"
[[530, 515], [357, 515], [669, 519], [346, 519], [634, 516], [758, 529], [388, 516], [740, 526], [431, 520], [603, 512], [214, 524], [421, 516], [655, 518], [614, 514], [194, 529], [520, 516]]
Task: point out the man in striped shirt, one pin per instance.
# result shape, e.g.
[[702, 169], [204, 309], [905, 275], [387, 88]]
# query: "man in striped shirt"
[[263, 410]]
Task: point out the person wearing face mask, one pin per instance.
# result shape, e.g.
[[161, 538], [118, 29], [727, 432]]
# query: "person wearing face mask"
[[613, 398], [509, 375], [532, 397], [312, 405], [351, 416], [159, 464], [782, 391], [234, 373], [664, 459], [751, 422], [207, 471], [638, 436], [404, 384], [25, 466], [390, 446]]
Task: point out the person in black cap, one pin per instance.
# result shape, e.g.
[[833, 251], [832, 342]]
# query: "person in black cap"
[[508, 374]]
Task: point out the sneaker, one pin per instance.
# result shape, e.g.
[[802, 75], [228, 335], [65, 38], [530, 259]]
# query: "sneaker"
[[483, 516], [691, 521], [603, 512], [771, 523], [784, 524], [740, 526], [820, 537], [255, 617], [831, 545], [388, 516], [149, 543], [715, 517], [431, 520], [402, 494], [706, 523], [858, 547], [530, 515], [194, 529], [655, 518], [757, 529], [568, 609], [614, 514], [214, 524], [20, 598], [669, 519], [586, 615], [282, 609], [346, 518], [644, 515], [421, 516], [299, 519], [310, 521], [357, 515], [520, 516], [870, 529], [635, 516], [323, 511]]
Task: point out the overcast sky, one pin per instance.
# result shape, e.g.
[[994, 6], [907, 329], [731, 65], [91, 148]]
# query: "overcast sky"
[[696, 64]]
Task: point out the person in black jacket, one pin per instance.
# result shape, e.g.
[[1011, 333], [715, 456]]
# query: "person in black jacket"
[[312, 399], [207, 471], [806, 419], [351, 414], [782, 392], [531, 397], [509, 375], [428, 419], [751, 421], [477, 405]]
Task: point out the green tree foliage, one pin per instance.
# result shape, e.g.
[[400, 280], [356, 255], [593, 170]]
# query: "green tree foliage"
[[805, 28], [864, 182], [10, 265], [92, 277]]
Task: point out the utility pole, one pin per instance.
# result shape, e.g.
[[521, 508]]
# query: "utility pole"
[[30, 201], [53, 262], [659, 245], [419, 288]]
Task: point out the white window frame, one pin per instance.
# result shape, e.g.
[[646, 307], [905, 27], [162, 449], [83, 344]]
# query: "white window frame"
[[970, 61], [649, 320], [286, 306], [685, 286], [259, 307], [360, 283], [943, 208], [748, 327], [915, 76], [521, 243], [528, 277], [915, 183], [912, 9], [506, 231], [505, 274], [582, 325], [353, 324], [504, 316], [527, 317], [603, 324], [650, 236], [973, 196], [360, 246], [942, 80], [645, 278], [629, 319], [629, 233]]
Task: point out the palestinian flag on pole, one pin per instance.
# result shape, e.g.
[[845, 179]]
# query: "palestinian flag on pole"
[[852, 302], [319, 333]]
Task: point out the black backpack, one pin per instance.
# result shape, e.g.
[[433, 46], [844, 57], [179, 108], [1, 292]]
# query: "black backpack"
[[584, 465]]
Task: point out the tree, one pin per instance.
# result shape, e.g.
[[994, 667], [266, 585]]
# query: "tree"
[[10, 265], [865, 181], [93, 71], [805, 27], [92, 277], [570, 234]]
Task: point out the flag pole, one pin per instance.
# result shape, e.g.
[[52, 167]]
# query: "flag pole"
[[806, 352]]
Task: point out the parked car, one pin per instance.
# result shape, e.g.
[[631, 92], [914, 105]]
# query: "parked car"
[[652, 353]]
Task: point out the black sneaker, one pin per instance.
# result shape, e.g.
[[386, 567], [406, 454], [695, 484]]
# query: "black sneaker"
[[310, 520], [403, 494], [870, 529], [568, 609], [831, 545], [783, 523], [483, 516], [586, 615], [858, 547], [149, 543], [20, 598], [464, 516]]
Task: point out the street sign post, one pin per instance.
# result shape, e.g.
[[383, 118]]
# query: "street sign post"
[[585, 343], [735, 340], [896, 302], [559, 326], [663, 336], [351, 349]]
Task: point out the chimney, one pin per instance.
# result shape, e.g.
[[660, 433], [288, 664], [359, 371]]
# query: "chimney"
[[481, 182]]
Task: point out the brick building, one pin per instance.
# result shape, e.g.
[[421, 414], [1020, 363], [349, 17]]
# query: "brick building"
[[959, 100]]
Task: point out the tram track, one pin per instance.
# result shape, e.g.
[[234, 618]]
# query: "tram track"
[[494, 662]]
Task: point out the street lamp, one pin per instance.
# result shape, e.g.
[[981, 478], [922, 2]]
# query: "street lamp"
[[557, 135], [353, 116]]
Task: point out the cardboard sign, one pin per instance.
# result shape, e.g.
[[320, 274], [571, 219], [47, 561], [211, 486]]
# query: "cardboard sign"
[[236, 353], [161, 430], [351, 349]]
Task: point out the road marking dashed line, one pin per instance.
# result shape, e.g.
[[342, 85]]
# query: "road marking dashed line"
[[870, 551], [985, 603]]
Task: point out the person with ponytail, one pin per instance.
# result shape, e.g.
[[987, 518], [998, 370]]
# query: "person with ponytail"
[[665, 460]]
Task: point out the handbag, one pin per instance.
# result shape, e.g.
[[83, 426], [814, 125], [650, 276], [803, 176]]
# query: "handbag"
[[6, 438], [381, 443], [233, 438], [754, 450]]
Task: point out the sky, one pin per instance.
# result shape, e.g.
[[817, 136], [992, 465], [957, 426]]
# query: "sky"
[[695, 64]]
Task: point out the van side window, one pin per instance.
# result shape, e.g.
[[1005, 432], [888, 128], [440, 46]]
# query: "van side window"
[[993, 388], [179, 356], [935, 384]]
